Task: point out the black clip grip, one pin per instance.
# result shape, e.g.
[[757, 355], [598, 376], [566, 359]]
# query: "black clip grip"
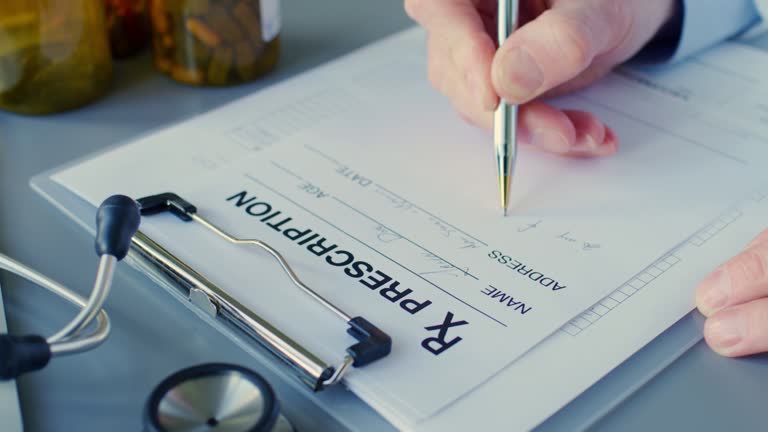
[[373, 344], [167, 201]]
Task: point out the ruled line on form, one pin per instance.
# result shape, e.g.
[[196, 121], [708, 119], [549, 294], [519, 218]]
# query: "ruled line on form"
[[380, 186], [276, 192], [361, 213]]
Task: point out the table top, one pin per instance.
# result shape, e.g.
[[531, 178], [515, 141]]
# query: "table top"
[[105, 389]]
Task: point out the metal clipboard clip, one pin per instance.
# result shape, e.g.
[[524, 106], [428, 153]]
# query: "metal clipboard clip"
[[373, 344]]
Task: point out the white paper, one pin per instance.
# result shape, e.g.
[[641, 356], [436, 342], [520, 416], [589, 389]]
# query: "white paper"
[[371, 158], [554, 373], [605, 335]]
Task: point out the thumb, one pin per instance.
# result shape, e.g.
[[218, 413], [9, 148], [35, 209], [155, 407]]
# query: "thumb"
[[557, 46]]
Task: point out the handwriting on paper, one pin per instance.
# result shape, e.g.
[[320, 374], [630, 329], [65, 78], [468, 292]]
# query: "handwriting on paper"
[[408, 300], [584, 245], [442, 266], [468, 243], [528, 227], [443, 228], [396, 201], [386, 235]]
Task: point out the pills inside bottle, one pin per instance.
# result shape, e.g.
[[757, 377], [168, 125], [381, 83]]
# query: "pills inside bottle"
[[54, 55], [215, 42]]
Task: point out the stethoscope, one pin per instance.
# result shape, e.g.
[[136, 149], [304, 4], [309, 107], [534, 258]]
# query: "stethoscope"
[[216, 397]]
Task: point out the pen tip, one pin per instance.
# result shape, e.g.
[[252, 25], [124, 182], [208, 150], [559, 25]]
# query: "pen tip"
[[504, 182]]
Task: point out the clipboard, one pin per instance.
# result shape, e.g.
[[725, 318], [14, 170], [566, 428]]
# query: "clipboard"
[[600, 397], [579, 414], [241, 322]]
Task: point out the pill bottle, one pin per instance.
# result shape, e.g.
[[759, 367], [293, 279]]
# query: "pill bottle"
[[54, 55], [128, 24], [215, 42]]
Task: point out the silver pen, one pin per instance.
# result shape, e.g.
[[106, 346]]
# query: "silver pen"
[[505, 117]]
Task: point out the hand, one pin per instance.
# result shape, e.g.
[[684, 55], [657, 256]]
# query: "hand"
[[735, 300], [561, 46]]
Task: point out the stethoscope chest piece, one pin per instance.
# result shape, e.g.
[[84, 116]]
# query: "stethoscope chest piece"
[[214, 397]]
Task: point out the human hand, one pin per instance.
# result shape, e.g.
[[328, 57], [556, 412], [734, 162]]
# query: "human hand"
[[562, 45], [735, 300]]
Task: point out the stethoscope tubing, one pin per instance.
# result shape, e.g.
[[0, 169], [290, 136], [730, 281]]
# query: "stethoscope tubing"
[[71, 341]]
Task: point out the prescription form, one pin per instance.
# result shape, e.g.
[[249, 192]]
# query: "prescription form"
[[297, 173], [10, 414]]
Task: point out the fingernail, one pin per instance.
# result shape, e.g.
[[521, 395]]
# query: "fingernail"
[[586, 144], [607, 148], [610, 145], [725, 331], [521, 76], [549, 140], [714, 291]]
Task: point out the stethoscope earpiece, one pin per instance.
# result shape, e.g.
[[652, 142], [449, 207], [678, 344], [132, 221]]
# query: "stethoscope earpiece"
[[22, 354], [215, 396], [117, 220]]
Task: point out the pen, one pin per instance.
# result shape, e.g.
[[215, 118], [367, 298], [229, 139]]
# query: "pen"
[[505, 117]]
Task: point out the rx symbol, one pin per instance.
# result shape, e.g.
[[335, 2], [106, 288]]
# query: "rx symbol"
[[438, 344]]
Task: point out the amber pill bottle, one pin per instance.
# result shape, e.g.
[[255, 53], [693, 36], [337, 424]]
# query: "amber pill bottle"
[[128, 26], [215, 42], [54, 55]]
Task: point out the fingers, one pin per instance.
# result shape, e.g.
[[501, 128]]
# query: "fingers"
[[460, 50], [557, 46], [742, 279], [735, 300], [461, 53], [593, 138], [739, 330], [569, 132], [461, 71], [446, 14], [761, 238]]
